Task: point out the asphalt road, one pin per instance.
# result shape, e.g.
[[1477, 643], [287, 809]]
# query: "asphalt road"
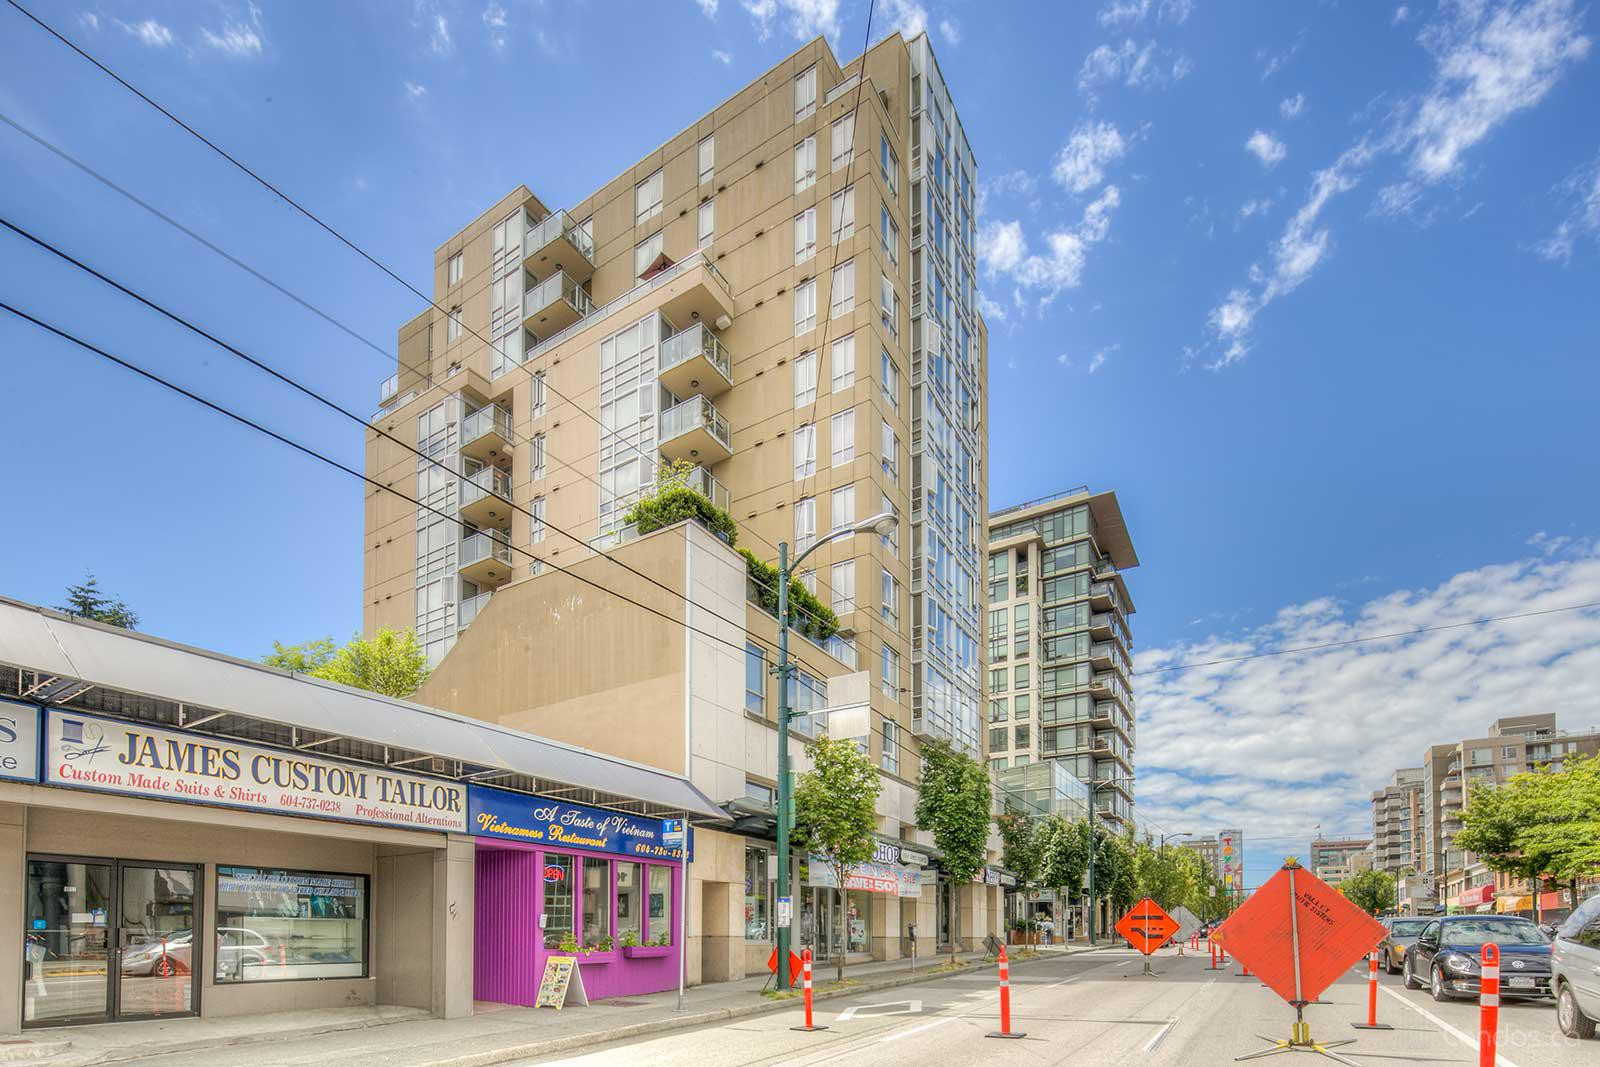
[[1096, 1009]]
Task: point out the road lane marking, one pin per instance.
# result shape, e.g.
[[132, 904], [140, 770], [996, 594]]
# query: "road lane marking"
[[878, 1011], [1470, 1042], [1160, 1035]]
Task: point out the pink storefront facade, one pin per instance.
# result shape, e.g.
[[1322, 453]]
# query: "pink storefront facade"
[[563, 879]]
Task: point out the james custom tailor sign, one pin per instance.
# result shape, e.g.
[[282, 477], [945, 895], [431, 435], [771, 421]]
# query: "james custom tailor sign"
[[88, 752], [537, 820], [19, 741]]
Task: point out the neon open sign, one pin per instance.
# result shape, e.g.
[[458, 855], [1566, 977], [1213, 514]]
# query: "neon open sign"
[[554, 872]]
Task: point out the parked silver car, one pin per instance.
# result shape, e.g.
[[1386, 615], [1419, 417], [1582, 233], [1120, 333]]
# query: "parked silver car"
[[1403, 933], [1575, 970]]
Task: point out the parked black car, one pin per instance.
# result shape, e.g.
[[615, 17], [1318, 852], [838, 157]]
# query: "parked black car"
[[1445, 957]]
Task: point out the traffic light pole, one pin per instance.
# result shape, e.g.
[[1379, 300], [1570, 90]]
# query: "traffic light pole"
[[784, 796]]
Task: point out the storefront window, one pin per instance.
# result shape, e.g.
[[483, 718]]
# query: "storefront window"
[[558, 872], [630, 903], [274, 925], [597, 905], [858, 916], [757, 896], [660, 922]]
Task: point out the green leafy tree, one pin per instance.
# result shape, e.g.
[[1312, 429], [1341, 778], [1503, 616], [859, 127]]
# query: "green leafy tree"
[[835, 808], [1021, 838], [953, 803], [1544, 823], [87, 601], [1063, 856], [1371, 891], [1115, 875], [391, 662]]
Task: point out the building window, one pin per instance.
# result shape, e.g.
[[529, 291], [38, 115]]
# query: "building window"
[[889, 379], [538, 397], [999, 709], [1020, 733], [452, 326], [805, 94], [843, 581], [888, 167], [844, 216], [757, 895], [1020, 676], [842, 506], [808, 581], [891, 452], [707, 221], [891, 600], [648, 252], [805, 307], [998, 736], [891, 747], [805, 379], [891, 540], [890, 235], [805, 164], [805, 523], [456, 268], [843, 363], [660, 908], [844, 137], [805, 235], [538, 464], [890, 301], [275, 925], [708, 158], [842, 437], [843, 290], [890, 675], [755, 679], [536, 526], [647, 199], [805, 451]]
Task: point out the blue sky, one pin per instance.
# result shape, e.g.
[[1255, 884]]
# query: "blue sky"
[[1312, 286]]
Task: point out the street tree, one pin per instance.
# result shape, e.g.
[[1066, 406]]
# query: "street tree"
[[953, 804], [835, 810], [391, 662], [87, 601], [1543, 823], [1021, 840], [1371, 891], [1063, 857]]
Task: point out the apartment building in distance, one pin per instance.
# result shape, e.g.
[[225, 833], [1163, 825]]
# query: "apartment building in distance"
[[1223, 856], [1397, 834], [1336, 860], [1059, 659], [777, 307]]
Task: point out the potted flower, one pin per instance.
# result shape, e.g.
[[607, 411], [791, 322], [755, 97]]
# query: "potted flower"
[[655, 947], [630, 939]]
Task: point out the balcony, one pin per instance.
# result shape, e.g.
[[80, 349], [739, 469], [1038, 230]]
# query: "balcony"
[[700, 481], [558, 245], [1102, 596], [486, 498], [485, 558], [1101, 625], [1107, 684], [1104, 568], [694, 361], [695, 430], [554, 304], [486, 435], [469, 608]]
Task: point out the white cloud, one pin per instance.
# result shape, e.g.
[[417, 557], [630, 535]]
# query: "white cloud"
[[1267, 148], [950, 30], [1259, 206], [1401, 13], [1303, 738], [1582, 191], [722, 57], [906, 17], [1292, 106], [1003, 251], [1123, 12], [1176, 12], [90, 20], [1064, 359], [1272, 62], [1080, 164], [708, 8], [415, 90], [497, 23], [1098, 360], [1001, 246], [439, 42], [238, 38], [1146, 66], [148, 32], [991, 311], [803, 19]]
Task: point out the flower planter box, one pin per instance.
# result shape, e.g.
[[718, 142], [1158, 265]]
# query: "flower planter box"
[[636, 952]]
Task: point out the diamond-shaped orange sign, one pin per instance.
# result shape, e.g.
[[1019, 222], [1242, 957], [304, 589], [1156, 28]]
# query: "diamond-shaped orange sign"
[[1146, 927], [1296, 907]]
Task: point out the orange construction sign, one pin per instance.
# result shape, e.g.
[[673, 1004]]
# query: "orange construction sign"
[[1146, 927], [1299, 934]]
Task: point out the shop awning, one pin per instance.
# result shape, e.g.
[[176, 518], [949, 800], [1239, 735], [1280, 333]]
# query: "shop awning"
[[1471, 898], [101, 668], [1509, 904]]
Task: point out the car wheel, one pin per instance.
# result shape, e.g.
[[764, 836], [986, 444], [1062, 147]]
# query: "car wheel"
[[1573, 1022], [1407, 976], [164, 968], [1388, 964], [1437, 986]]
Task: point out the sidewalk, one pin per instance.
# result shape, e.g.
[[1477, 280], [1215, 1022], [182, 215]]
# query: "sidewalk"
[[405, 1037]]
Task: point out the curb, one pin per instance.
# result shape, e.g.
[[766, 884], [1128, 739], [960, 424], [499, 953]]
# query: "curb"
[[556, 1045]]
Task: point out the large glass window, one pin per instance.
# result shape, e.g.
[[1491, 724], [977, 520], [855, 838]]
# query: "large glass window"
[[277, 924], [660, 904], [757, 895], [597, 905], [558, 911], [630, 903], [755, 679]]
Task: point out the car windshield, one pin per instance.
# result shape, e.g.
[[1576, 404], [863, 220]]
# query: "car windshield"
[[1480, 931], [1407, 927]]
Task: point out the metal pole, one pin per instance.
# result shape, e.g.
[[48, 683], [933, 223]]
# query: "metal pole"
[[784, 798], [1092, 903]]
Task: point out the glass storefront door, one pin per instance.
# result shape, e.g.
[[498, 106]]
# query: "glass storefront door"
[[89, 920]]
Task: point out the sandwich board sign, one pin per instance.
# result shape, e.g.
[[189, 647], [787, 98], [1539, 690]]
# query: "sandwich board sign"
[[1146, 926], [562, 984]]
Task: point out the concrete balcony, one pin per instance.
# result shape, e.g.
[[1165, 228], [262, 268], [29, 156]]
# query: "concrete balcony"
[[694, 361], [1102, 596], [486, 498], [486, 435], [557, 245], [695, 431], [554, 304], [485, 558], [1102, 625]]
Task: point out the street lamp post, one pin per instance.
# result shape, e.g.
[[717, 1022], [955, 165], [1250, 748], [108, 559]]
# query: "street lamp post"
[[879, 524], [1094, 787]]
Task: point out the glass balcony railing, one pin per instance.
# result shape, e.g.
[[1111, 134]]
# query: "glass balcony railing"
[[387, 391], [490, 481], [696, 413], [469, 608], [556, 289], [697, 340], [558, 226], [484, 546], [701, 481], [484, 421]]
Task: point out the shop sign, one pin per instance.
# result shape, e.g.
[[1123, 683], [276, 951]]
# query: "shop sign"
[[88, 752], [1008, 879], [991, 876], [913, 857], [889, 879], [884, 852], [540, 821], [19, 741]]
